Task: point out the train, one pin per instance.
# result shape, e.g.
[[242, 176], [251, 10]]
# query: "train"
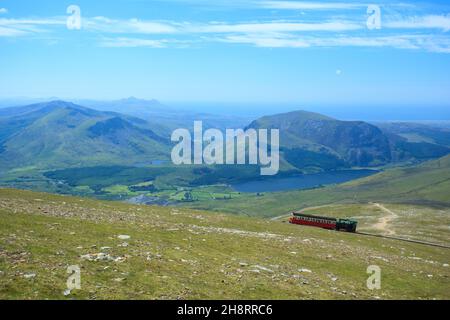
[[346, 225]]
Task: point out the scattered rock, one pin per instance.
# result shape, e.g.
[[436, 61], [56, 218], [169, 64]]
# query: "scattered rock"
[[333, 277], [380, 258], [263, 268], [415, 258], [304, 270], [243, 264], [124, 237], [97, 257], [67, 292], [29, 275], [119, 259]]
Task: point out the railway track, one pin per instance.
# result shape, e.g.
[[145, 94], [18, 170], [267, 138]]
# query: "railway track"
[[391, 237], [437, 245], [403, 239]]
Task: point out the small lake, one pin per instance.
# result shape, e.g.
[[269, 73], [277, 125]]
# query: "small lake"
[[299, 182]]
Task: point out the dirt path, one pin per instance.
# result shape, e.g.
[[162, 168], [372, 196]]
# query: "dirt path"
[[383, 224]]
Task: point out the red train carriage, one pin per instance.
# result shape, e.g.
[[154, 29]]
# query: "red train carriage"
[[323, 222], [314, 221]]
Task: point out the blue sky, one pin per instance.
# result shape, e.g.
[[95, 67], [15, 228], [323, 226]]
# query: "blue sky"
[[245, 51]]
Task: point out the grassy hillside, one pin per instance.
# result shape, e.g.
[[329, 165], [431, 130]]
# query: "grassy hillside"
[[425, 184], [60, 134], [185, 254]]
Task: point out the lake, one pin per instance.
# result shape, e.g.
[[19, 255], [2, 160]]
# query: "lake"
[[299, 182]]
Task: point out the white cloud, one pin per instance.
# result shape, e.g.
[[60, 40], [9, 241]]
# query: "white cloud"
[[107, 25], [331, 26], [23, 27], [10, 32], [3, 10], [135, 26], [424, 22], [267, 41], [273, 34], [300, 5], [429, 43], [44, 21], [150, 27], [132, 43]]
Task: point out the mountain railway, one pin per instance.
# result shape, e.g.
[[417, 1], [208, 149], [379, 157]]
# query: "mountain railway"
[[348, 225], [403, 239]]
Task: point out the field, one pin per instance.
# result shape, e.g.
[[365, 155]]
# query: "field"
[[177, 253]]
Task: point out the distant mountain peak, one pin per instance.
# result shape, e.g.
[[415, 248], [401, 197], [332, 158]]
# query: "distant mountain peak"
[[61, 104], [305, 115], [133, 99]]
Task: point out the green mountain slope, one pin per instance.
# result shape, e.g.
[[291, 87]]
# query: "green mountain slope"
[[313, 140], [61, 134], [175, 253]]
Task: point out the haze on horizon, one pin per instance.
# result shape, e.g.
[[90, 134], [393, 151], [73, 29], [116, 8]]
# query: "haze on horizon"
[[288, 55]]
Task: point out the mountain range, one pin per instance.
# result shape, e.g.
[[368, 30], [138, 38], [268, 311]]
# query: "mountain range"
[[61, 134], [161, 116]]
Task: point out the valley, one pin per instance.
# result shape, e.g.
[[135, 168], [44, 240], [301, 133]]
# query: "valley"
[[113, 156]]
